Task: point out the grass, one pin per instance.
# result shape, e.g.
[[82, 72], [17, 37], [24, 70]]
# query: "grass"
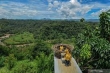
[[23, 38]]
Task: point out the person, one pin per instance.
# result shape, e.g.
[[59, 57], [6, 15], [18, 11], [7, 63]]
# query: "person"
[[62, 53], [61, 48], [67, 57], [66, 50]]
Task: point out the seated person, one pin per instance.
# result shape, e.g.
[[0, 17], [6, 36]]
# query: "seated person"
[[61, 48], [67, 58]]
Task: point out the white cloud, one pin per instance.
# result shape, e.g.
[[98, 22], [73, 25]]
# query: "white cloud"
[[46, 12], [74, 9], [13, 9], [34, 9], [75, 2], [85, 9], [3, 11], [56, 3], [71, 8], [102, 7], [97, 5], [54, 9], [94, 14], [53, 4]]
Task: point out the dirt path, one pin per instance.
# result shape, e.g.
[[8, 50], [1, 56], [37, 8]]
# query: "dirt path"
[[23, 45], [3, 37]]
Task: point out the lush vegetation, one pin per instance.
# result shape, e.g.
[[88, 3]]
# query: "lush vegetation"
[[105, 25], [93, 46], [28, 59], [91, 42], [23, 38]]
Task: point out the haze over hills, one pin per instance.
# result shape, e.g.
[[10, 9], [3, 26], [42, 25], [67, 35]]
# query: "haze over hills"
[[88, 20]]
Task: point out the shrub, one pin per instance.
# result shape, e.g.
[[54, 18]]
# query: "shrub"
[[10, 61], [25, 67], [41, 46], [45, 63]]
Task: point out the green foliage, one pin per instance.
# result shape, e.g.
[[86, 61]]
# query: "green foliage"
[[23, 38], [85, 52], [4, 50], [44, 29], [95, 54], [90, 50], [2, 59], [105, 25], [61, 29], [82, 20], [22, 53], [4, 70], [10, 61], [45, 63], [101, 49], [59, 41], [25, 67], [41, 46]]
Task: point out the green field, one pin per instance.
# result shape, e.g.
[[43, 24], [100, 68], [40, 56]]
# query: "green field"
[[23, 38]]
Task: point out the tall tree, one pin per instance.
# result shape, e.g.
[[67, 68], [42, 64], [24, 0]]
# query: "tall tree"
[[105, 25], [82, 20]]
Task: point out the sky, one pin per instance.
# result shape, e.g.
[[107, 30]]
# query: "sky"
[[53, 9]]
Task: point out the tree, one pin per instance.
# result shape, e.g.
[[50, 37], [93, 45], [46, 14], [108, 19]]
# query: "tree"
[[41, 46], [82, 20], [85, 52], [105, 25], [4, 50], [45, 63]]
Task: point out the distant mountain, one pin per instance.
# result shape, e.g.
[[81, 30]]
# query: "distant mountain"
[[88, 20], [92, 20]]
